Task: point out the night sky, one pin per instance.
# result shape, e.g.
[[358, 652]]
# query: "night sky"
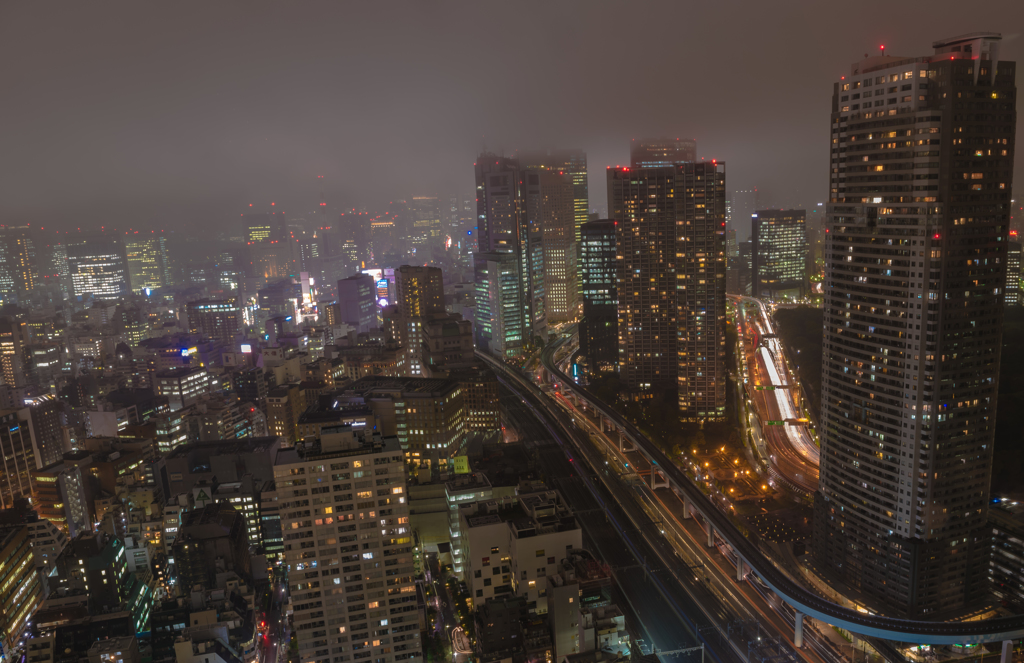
[[176, 114]]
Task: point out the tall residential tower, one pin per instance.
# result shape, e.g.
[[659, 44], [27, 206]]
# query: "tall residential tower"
[[915, 259]]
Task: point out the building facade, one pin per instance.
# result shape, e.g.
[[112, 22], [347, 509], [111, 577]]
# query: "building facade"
[[779, 253], [599, 326], [369, 569], [915, 268]]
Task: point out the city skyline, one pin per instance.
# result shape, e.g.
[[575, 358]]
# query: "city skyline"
[[749, 378]]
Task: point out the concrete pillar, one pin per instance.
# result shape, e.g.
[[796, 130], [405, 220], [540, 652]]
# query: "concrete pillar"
[[741, 569], [798, 630], [711, 536], [1007, 656]]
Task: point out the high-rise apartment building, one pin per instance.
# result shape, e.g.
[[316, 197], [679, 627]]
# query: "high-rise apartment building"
[[148, 266], [269, 226], [642, 201], [599, 327], [655, 152], [670, 243], [215, 318], [357, 302], [98, 267], [779, 253], [915, 268], [1013, 255], [508, 211], [700, 297], [364, 591]]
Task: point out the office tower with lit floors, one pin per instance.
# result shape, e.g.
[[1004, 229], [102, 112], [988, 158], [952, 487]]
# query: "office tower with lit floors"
[[349, 556], [148, 266], [779, 253], [572, 163], [599, 325], [556, 217], [915, 271], [506, 197], [98, 267], [700, 298], [1013, 255]]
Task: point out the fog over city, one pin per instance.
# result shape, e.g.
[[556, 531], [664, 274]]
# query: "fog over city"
[[158, 114]]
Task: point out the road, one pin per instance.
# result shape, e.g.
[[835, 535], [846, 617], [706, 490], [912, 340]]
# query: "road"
[[448, 622], [277, 638], [792, 451], [666, 623]]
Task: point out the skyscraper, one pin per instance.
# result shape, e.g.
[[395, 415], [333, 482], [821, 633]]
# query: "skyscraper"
[[599, 326], [573, 163], [499, 314], [654, 152], [420, 290], [670, 240], [98, 267], [148, 266], [557, 218], [508, 210], [779, 252], [642, 201], [700, 299], [915, 258], [357, 303], [425, 214], [19, 266]]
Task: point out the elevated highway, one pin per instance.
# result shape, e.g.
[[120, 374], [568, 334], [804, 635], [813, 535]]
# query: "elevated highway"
[[749, 558]]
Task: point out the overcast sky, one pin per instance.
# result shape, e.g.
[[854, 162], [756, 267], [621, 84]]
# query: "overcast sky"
[[161, 114]]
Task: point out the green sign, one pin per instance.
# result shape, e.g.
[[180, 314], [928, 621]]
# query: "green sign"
[[461, 464], [774, 423]]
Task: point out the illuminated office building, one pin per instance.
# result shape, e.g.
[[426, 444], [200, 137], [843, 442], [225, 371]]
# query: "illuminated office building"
[[1013, 254], [499, 316], [425, 215], [148, 266], [599, 326], [572, 163], [557, 220], [915, 267], [98, 267], [508, 211], [779, 253]]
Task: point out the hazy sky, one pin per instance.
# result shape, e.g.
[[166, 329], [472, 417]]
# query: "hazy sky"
[[157, 114]]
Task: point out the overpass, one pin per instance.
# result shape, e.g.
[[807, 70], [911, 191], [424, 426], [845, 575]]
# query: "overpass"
[[665, 474]]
